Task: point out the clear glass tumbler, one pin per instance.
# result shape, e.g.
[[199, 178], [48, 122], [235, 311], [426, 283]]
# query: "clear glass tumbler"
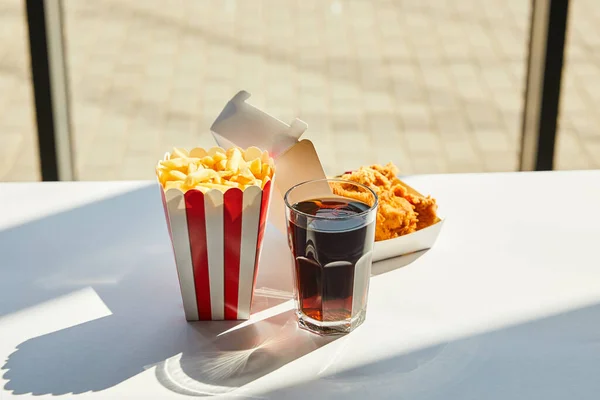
[[331, 231]]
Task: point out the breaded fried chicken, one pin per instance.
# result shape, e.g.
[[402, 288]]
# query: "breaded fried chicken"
[[426, 208], [395, 217], [401, 211]]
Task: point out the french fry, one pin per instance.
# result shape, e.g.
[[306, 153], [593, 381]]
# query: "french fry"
[[265, 180], [192, 168], [207, 161], [200, 176], [219, 157], [230, 183], [179, 163], [162, 177], [266, 171], [229, 152], [243, 180], [173, 185], [245, 176], [176, 175], [256, 168], [179, 153], [216, 168], [234, 159], [221, 165], [225, 174]]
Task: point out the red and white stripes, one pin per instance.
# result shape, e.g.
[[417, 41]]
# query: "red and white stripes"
[[217, 239]]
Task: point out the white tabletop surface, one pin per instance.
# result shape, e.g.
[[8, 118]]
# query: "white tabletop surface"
[[506, 305]]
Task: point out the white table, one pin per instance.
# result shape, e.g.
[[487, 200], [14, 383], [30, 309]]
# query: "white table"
[[505, 306]]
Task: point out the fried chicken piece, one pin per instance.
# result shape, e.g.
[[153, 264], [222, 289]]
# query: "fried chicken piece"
[[426, 208], [395, 217], [401, 211], [390, 171], [350, 192], [374, 179]]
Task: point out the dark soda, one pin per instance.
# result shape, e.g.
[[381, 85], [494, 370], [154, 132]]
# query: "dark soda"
[[326, 252]]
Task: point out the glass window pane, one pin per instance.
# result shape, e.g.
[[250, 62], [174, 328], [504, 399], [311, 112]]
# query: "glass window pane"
[[19, 159], [434, 86], [578, 138]]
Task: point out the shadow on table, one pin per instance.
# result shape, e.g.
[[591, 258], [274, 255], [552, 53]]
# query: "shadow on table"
[[119, 247], [551, 358], [239, 357]]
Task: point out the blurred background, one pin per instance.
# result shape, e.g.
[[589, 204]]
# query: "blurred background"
[[434, 86]]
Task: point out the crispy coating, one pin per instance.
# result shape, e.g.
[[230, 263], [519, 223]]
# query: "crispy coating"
[[395, 217], [426, 208], [401, 211]]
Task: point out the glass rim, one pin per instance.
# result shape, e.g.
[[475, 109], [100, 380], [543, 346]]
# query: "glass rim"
[[363, 213]]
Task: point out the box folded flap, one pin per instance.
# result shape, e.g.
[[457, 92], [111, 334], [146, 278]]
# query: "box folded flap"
[[241, 124], [299, 164]]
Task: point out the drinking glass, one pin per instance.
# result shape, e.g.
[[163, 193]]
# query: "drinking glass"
[[331, 231]]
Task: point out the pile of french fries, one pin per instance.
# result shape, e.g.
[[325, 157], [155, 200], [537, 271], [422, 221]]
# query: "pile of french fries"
[[215, 168]]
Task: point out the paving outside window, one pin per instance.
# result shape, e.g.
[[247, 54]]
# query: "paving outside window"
[[435, 86]]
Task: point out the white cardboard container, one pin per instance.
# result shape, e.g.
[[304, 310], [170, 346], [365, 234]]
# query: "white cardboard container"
[[296, 161]]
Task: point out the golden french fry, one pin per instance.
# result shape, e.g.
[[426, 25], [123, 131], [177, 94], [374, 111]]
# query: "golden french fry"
[[225, 174], [162, 177], [219, 157], [179, 163], [176, 175], [202, 175], [235, 157], [256, 168], [221, 165], [192, 168], [175, 163], [207, 161], [173, 185], [246, 173], [266, 171], [179, 153], [198, 152], [242, 179], [230, 183], [264, 181]]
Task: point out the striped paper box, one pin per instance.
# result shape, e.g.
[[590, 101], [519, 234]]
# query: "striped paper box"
[[217, 240]]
